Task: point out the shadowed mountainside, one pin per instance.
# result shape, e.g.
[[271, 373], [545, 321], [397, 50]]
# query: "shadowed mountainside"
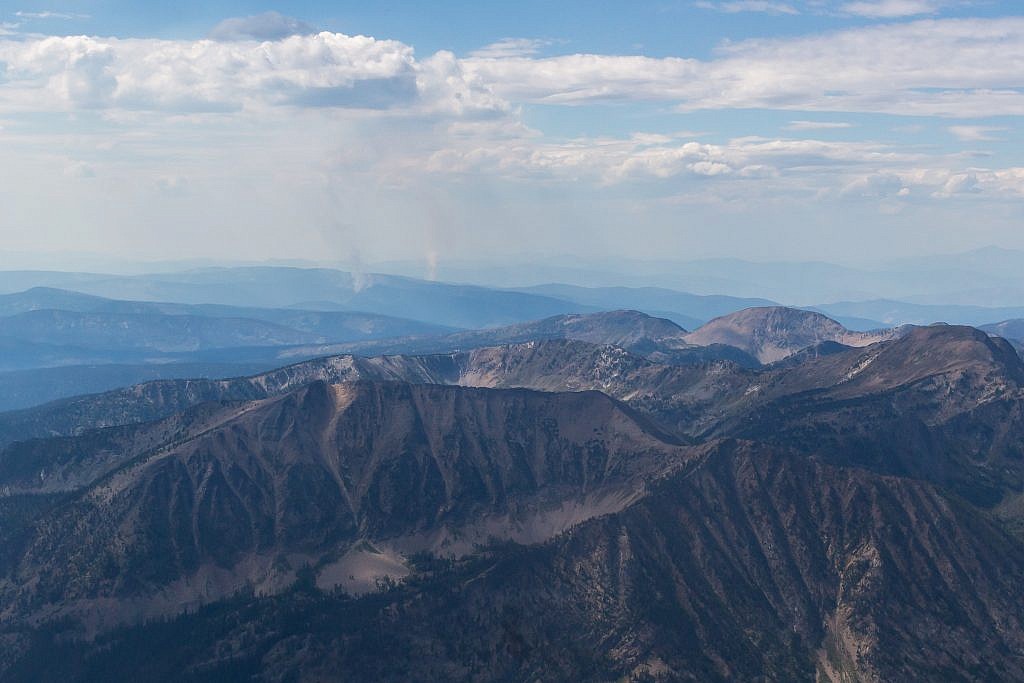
[[748, 564], [215, 497], [852, 513]]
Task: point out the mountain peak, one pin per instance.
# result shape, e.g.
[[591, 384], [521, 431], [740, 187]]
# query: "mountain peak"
[[622, 327], [772, 333], [955, 366], [938, 349]]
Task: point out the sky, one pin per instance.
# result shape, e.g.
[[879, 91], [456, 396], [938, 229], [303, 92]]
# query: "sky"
[[839, 130]]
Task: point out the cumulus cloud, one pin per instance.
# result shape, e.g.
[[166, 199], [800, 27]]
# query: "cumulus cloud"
[[266, 26], [73, 70], [1008, 181], [982, 183], [877, 185], [960, 183], [955, 68], [460, 116], [321, 70]]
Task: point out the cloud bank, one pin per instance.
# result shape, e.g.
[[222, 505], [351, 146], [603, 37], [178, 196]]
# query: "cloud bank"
[[953, 68], [268, 122], [323, 69]]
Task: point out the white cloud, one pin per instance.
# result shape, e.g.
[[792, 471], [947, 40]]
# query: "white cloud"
[[322, 70], [737, 6], [266, 26], [946, 67], [612, 160], [511, 47], [818, 125], [585, 78], [955, 68], [213, 133], [867, 9], [50, 15], [960, 183], [984, 183], [877, 185], [891, 9], [975, 133], [746, 170]]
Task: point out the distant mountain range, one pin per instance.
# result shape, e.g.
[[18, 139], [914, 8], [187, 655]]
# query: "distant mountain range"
[[248, 292], [32, 304], [891, 313], [462, 306], [51, 328], [983, 277], [689, 310], [988, 276], [88, 343], [1012, 330]]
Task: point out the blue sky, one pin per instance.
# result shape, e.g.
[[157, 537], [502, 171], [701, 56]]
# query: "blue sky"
[[830, 129], [658, 28]]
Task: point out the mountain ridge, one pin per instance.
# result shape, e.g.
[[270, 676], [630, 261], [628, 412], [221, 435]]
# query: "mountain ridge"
[[289, 474], [852, 514]]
